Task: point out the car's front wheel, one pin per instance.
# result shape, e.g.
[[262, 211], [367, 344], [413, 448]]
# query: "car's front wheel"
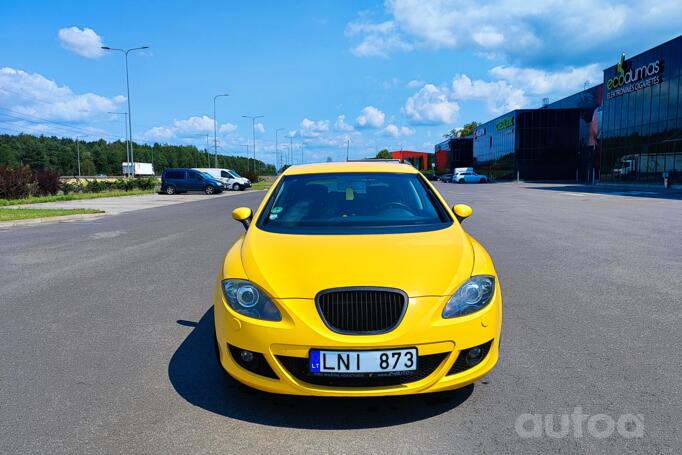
[[170, 190], [236, 187], [460, 181], [209, 189], [483, 180]]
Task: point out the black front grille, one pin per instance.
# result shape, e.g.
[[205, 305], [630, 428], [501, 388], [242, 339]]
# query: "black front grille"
[[361, 310], [299, 367]]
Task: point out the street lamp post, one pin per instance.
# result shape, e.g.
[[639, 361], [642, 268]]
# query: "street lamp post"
[[215, 130], [277, 160], [125, 121], [253, 126], [291, 149], [130, 124]]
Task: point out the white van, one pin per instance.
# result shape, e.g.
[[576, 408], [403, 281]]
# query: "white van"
[[229, 177]]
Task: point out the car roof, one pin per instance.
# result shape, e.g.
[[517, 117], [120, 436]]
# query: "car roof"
[[351, 166]]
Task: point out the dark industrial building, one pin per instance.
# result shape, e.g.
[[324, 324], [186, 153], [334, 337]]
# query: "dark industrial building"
[[454, 153], [627, 129]]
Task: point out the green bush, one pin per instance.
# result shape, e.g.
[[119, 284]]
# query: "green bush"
[[251, 175]]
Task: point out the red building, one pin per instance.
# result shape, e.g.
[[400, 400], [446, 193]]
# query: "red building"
[[420, 160]]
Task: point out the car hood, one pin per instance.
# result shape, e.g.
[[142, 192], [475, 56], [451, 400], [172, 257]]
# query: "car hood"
[[300, 266]]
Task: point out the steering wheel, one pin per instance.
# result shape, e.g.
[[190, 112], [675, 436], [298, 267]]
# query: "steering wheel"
[[394, 204]]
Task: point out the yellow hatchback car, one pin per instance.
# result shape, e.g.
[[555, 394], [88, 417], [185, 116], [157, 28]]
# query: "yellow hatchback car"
[[356, 279]]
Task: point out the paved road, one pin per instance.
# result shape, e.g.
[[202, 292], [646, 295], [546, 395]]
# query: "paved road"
[[106, 336]]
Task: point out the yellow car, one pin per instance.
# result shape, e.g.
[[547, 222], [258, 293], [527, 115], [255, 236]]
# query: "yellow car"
[[356, 279]]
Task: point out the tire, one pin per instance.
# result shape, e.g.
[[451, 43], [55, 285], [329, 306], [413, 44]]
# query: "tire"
[[170, 190], [460, 181], [237, 187], [209, 189], [482, 181]]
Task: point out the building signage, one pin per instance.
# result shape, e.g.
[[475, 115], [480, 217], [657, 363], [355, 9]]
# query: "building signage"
[[505, 123], [629, 79], [479, 132]]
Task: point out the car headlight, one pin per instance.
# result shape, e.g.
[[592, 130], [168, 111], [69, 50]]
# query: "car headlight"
[[472, 296], [246, 298]]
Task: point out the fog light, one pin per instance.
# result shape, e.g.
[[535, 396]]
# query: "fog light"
[[247, 356], [474, 356]]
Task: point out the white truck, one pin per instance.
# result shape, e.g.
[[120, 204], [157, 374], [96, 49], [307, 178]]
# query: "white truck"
[[141, 169], [229, 177]]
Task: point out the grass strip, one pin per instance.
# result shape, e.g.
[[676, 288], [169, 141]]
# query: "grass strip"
[[27, 214], [74, 197]]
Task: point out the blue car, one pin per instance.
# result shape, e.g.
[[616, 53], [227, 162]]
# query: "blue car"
[[180, 180]]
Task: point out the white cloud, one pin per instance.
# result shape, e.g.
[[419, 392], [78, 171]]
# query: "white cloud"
[[260, 128], [85, 42], [189, 127], [488, 37], [341, 124], [392, 130], [312, 128], [415, 84], [549, 30], [378, 40], [34, 94], [227, 128], [512, 88], [370, 117], [431, 105], [159, 133], [499, 96], [544, 82]]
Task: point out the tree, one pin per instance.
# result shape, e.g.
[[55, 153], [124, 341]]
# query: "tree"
[[467, 130], [383, 155]]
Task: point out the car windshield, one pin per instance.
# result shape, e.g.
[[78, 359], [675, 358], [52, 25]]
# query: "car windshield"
[[206, 175], [234, 174], [348, 203]]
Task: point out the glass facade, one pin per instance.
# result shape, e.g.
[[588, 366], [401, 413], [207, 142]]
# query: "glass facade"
[[641, 133], [548, 144], [495, 147]]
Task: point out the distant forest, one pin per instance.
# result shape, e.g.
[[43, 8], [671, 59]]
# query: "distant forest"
[[102, 157]]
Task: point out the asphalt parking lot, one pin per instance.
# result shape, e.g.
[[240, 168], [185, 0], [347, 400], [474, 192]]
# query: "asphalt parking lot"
[[106, 336]]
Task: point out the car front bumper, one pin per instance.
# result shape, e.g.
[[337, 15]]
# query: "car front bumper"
[[438, 341]]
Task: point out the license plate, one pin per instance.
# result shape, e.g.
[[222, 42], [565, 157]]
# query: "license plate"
[[349, 362]]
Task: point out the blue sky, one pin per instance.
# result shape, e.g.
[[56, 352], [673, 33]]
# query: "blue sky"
[[394, 74]]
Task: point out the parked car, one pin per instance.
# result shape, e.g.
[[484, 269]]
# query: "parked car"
[[469, 177], [446, 178], [319, 310], [430, 176], [179, 180], [229, 177]]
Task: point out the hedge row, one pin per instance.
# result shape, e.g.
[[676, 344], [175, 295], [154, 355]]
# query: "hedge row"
[[23, 182], [98, 186]]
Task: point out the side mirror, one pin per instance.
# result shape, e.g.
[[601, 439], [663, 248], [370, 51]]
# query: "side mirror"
[[462, 211], [243, 215]]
